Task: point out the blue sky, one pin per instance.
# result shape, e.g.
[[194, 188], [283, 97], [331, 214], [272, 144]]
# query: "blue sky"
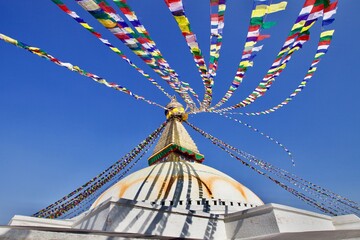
[[59, 129]]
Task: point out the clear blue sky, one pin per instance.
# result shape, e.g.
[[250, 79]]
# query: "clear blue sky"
[[59, 129]]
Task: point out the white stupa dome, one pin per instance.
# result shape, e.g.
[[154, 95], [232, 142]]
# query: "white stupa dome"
[[181, 183]]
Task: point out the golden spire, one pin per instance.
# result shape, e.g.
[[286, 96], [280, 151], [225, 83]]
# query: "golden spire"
[[175, 142]]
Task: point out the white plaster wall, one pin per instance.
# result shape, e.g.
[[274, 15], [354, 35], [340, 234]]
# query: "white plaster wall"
[[166, 223], [163, 221], [296, 220], [10, 233], [249, 223], [350, 221], [94, 220], [274, 219], [19, 220]]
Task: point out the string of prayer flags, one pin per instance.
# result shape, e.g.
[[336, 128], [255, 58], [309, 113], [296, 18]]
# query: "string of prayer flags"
[[86, 196], [218, 142], [324, 43], [79, 195], [299, 34], [177, 9], [142, 32], [339, 204], [217, 12], [75, 207], [41, 53], [144, 37], [116, 25], [261, 133], [259, 12], [187, 87], [329, 12], [107, 43], [151, 49], [326, 201]]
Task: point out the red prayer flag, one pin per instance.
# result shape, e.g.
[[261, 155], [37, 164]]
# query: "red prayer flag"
[[262, 37]]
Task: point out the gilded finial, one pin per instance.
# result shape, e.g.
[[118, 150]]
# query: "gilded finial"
[[176, 110]]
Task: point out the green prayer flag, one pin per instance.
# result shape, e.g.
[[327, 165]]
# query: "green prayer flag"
[[267, 25], [256, 21]]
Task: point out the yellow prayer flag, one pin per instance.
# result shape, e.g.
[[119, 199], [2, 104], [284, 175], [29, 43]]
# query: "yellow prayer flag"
[[140, 29], [128, 30], [85, 25], [312, 69], [8, 39], [319, 55], [202, 68], [262, 7], [294, 49], [250, 44], [283, 66], [284, 51], [277, 7], [139, 52], [265, 9], [258, 13], [246, 64], [213, 48], [181, 20], [184, 28], [222, 7], [298, 25], [107, 23], [304, 29], [195, 49], [327, 33], [273, 70], [115, 49], [34, 49]]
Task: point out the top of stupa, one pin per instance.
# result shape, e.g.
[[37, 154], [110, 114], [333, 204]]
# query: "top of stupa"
[[174, 109], [175, 142]]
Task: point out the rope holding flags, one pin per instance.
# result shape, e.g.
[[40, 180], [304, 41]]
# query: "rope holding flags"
[[41, 53], [263, 134]]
